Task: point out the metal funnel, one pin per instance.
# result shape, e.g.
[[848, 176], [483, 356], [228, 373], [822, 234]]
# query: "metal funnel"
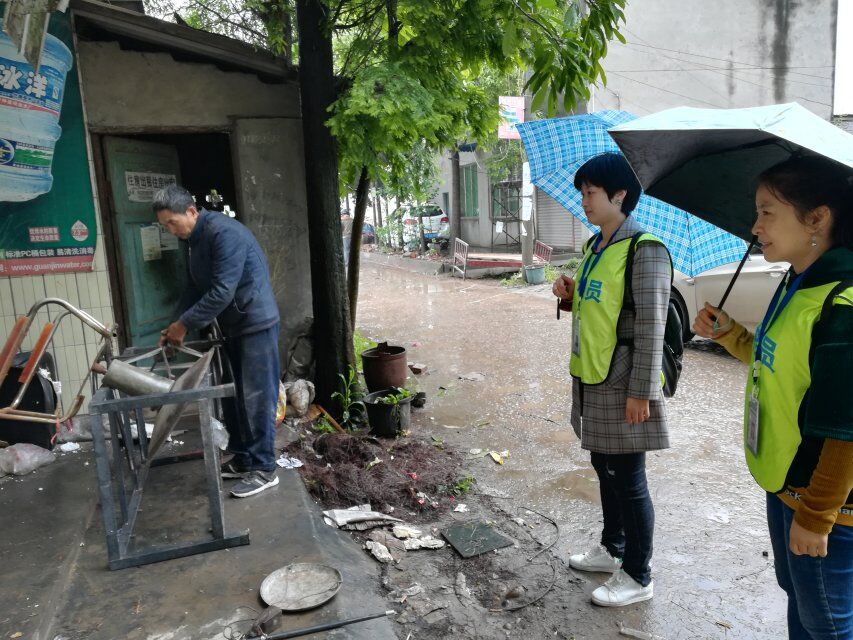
[[135, 381]]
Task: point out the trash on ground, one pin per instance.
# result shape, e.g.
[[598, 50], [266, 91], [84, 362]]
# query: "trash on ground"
[[220, 434], [22, 458], [425, 542], [476, 452], [501, 457], [149, 430], [519, 521], [286, 462], [67, 447], [452, 426], [473, 376], [404, 531], [417, 368], [359, 519], [635, 633], [395, 547], [374, 462], [300, 586], [473, 538], [300, 395], [401, 595], [379, 551], [461, 508]]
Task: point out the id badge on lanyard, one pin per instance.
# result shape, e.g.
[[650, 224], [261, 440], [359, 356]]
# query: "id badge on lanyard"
[[576, 337], [753, 418]]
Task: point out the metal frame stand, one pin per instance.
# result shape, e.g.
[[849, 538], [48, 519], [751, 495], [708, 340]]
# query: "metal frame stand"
[[123, 466]]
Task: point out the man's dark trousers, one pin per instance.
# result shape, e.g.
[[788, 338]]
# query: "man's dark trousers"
[[250, 416]]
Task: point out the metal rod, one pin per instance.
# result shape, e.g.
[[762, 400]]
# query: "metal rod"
[[296, 633], [85, 317], [743, 260]]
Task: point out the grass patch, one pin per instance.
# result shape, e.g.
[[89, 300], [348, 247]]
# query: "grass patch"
[[361, 344]]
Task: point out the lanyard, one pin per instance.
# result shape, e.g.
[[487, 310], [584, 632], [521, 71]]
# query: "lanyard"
[[773, 312], [589, 265]]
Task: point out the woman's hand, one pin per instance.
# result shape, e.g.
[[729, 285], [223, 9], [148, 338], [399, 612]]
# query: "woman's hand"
[[807, 543], [564, 287], [636, 411], [712, 322]]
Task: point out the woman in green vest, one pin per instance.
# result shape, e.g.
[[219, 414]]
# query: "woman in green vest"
[[618, 409], [798, 426]]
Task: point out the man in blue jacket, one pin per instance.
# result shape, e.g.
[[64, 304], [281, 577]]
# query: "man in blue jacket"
[[230, 282]]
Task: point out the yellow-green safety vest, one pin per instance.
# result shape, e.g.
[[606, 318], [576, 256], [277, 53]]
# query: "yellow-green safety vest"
[[596, 312], [784, 376]]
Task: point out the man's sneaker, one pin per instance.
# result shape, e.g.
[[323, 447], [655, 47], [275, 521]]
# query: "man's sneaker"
[[231, 470], [254, 482], [596, 559], [622, 590]]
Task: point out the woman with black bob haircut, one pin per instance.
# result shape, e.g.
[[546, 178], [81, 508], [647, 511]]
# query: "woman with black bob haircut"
[[798, 413], [618, 409]]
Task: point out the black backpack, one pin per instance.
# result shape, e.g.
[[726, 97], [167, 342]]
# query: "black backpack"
[[673, 337]]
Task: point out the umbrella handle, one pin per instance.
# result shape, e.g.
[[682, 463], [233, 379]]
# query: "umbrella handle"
[[743, 260]]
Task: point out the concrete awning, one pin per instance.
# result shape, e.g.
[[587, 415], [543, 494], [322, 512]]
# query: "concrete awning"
[[197, 44]]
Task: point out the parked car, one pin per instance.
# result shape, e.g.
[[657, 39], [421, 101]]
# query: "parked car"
[[435, 221], [368, 234], [748, 300]]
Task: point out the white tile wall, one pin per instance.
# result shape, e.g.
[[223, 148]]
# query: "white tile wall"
[[74, 345]]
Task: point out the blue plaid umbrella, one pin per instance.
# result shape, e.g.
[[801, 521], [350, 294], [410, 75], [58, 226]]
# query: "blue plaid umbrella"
[[556, 149]]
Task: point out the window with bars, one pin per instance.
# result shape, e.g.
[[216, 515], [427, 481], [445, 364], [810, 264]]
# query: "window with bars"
[[506, 199], [469, 192]]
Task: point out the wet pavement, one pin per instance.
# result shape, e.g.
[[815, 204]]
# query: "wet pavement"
[[55, 585], [713, 562]]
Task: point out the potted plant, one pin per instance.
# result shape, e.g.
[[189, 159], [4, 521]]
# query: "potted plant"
[[389, 411]]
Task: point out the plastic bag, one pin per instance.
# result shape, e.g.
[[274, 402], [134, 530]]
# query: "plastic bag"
[[22, 458], [220, 434], [281, 405]]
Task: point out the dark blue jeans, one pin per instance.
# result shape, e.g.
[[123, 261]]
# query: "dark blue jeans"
[[820, 590], [629, 517], [250, 416]]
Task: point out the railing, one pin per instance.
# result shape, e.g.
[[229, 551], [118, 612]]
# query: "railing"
[[460, 256]]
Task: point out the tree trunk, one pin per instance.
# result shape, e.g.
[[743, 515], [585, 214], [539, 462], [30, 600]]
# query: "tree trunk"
[[362, 193], [333, 346], [455, 199], [421, 237]]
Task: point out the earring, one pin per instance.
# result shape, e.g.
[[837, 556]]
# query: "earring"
[[814, 240]]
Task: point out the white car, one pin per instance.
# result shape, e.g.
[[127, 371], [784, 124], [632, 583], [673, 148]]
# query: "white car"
[[435, 221], [748, 300]]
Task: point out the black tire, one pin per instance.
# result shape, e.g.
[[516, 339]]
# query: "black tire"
[[681, 308]]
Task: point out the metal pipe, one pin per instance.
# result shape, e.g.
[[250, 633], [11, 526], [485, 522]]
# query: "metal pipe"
[[135, 381], [85, 317], [296, 633]]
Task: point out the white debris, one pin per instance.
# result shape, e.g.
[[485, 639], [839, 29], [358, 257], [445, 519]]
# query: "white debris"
[[519, 521], [66, 447], [404, 531], [461, 508], [22, 458], [426, 542], [342, 517], [474, 376], [379, 551], [286, 462]]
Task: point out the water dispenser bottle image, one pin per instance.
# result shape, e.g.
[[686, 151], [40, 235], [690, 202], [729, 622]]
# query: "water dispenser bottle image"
[[30, 103]]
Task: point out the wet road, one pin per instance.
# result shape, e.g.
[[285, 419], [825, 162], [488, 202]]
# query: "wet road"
[[712, 579]]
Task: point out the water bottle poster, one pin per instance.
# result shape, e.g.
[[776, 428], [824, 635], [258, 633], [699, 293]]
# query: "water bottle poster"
[[47, 209]]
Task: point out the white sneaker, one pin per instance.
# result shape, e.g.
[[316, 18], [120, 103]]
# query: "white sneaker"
[[596, 559], [622, 590]]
